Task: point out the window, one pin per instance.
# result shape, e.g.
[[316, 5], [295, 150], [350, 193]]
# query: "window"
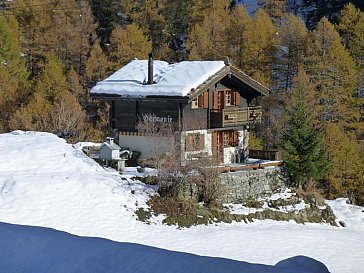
[[202, 101], [194, 103], [229, 97], [195, 142], [229, 138]]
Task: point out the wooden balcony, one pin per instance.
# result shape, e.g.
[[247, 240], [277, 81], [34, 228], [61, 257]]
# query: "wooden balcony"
[[235, 116]]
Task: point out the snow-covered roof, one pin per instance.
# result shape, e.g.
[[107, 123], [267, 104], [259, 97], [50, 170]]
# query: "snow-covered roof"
[[176, 79]]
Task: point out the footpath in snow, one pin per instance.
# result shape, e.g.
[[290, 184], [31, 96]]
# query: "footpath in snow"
[[46, 182]]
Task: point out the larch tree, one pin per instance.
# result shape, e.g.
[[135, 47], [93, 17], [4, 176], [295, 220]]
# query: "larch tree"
[[76, 88], [128, 43], [52, 107], [346, 177], [351, 29], [14, 85], [147, 15], [293, 38], [200, 44], [97, 66], [236, 33], [35, 24], [261, 48], [275, 8], [302, 141], [75, 30], [207, 40], [65, 28], [8, 95], [334, 72]]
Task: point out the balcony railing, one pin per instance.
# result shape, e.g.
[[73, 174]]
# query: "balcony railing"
[[230, 117]]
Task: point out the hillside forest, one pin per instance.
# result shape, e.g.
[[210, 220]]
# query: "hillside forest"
[[53, 51]]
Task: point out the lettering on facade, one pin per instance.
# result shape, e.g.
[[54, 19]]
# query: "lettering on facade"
[[154, 118]]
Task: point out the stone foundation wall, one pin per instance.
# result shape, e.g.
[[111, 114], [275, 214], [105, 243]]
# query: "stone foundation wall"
[[242, 185]]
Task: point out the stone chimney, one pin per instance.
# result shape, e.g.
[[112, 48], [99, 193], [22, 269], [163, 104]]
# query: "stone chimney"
[[150, 69]]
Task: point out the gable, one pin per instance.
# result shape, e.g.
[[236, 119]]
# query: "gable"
[[232, 78]]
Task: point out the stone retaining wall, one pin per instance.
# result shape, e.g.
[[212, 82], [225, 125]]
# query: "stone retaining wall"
[[242, 185]]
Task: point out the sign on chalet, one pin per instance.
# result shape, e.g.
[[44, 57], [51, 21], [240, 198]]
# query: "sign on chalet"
[[213, 100]]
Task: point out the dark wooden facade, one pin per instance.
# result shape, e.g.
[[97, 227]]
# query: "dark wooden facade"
[[225, 104]]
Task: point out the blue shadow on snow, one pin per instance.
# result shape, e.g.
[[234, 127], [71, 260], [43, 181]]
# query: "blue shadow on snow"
[[25, 249]]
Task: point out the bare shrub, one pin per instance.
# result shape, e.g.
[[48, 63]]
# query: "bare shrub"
[[173, 176], [207, 179]]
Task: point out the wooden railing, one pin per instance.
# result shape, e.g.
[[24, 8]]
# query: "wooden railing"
[[235, 116], [265, 154]]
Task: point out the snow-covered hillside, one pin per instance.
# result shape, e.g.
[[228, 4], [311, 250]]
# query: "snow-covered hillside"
[[46, 182]]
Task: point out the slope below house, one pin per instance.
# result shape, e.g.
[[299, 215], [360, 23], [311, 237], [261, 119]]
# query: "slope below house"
[[46, 182]]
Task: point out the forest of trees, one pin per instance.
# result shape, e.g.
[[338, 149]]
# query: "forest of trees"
[[53, 51]]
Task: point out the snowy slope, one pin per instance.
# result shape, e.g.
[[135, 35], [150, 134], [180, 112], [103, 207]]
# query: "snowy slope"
[[46, 182]]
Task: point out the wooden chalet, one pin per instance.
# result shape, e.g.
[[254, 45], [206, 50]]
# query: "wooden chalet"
[[213, 101]]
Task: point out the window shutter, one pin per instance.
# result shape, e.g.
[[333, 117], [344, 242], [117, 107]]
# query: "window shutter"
[[200, 101], [206, 100], [216, 99], [237, 98]]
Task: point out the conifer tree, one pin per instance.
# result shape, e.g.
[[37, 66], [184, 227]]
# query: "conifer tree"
[[302, 142], [105, 13], [317, 9]]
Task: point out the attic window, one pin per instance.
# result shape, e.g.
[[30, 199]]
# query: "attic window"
[[194, 103], [201, 101]]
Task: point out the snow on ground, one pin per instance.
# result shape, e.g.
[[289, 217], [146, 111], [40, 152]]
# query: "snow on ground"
[[46, 182], [286, 194]]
